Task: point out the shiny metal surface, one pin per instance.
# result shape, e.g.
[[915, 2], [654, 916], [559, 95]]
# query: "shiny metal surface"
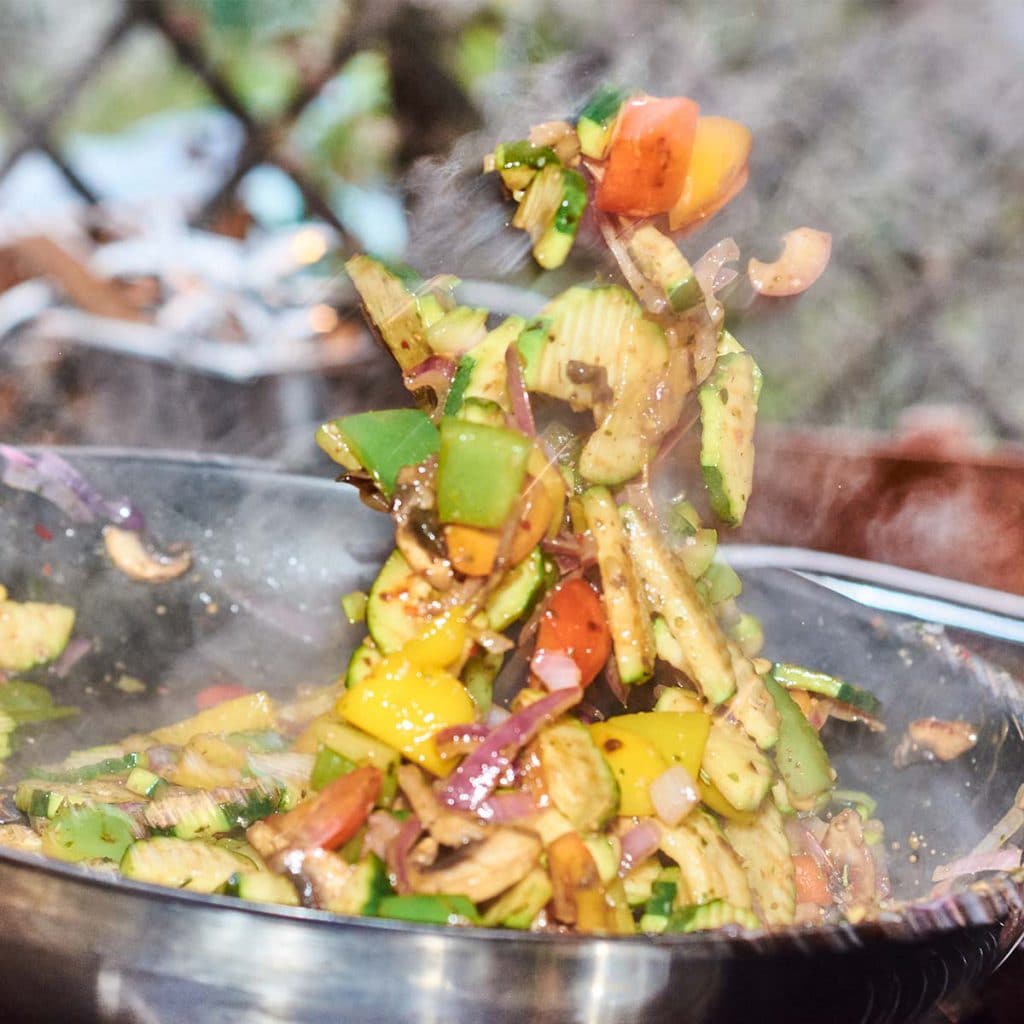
[[273, 554]]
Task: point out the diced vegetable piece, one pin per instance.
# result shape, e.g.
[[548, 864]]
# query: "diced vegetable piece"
[[721, 583], [596, 120], [202, 813], [747, 634], [677, 699], [811, 881], [708, 866], [679, 736], [262, 887], [795, 678], [362, 661], [330, 818], [573, 623], [329, 765], [117, 764], [734, 764], [646, 165], [405, 705], [576, 777], [255, 711], [659, 259], [478, 677], [354, 745], [486, 377], [513, 597], [86, 833], [520, 905], [709, 916], [764, 852], [362, 888], [672, 594], [550, 213], [353, 604], [480, 472], [41, 799], [392, 309], [192, 864], [801, 758], [144, 782], [717, 170], [396, 609], [457, 331], [728, 408], [427, 908], [32, 633], [635, 763], [385, 440], [578, 895], [625, 605], [751, 705], [518, 162]]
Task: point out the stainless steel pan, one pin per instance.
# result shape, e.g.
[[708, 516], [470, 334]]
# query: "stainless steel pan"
[[273, 555]]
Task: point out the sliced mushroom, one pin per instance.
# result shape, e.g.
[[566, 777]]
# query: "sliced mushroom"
[[450, 828], [851, 858], [934, 739], [481, 870], [135, 560]]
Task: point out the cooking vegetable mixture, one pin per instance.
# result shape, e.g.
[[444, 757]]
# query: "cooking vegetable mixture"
[[558, 719]]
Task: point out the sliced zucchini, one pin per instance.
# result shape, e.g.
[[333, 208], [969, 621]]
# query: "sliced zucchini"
[[728, 409], [396, 608], [720, 583], [708, 866], [191, 864], [262, 887], [751, 705], [672, 594], [392, 309], [734, 764], [625, 606], [795, 678], [514, 596], [658, 258], [480, 410], [74, 771], [518, 162], [144, 782], [32, 633], [596, 120], [365, 658], [362, 890], [708, 916], [457, 331], [802, 760], [676, 699], [486, 372], [519, 906], [764, 852], [253, 712], [478, 677], [550, 213], [212, 812], [576, 776], [41, 799], [357, 746]]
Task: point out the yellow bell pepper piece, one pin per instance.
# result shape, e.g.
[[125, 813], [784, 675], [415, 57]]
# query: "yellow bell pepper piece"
[[679, 736], [635, 763], [717, 171], [410, 695], [252, 712]]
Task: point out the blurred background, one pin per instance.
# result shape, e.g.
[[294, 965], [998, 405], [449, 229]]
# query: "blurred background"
[[181, 180]]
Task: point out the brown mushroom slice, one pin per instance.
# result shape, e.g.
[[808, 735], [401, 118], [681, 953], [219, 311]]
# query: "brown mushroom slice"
[[450, 828], [482, 870], [848, 851], [136, 561], [934, 739]]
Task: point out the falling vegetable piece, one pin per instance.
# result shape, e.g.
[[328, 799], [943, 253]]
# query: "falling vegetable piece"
[[649, 156], [717, 170], [805, 254], [129, 554]]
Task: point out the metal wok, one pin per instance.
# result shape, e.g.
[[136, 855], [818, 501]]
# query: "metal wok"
[[273, 555]]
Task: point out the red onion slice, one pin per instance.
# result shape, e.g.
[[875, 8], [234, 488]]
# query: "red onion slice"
[[1006, 859], [49, 476], [398, 852], [805, 255], [477, 776], [522, 413], [711, 271], [436, 373], [504, 807], [382, 828], [639, 843], [556, 670], [457, 740], [78, 647], [674, 794]]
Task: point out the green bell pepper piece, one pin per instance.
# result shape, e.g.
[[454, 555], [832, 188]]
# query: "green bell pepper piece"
[[480, 472], [425, 908], [328, 766], [381, 442]]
